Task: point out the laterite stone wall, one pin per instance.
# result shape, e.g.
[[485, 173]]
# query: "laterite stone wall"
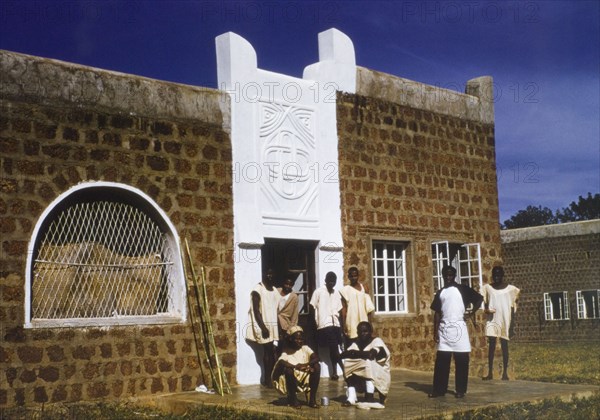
[[554, 258], [418, 175], [62, 124]]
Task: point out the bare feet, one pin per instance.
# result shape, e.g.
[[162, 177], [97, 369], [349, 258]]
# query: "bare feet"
[[313, 404], [504, 377], [488, 378], [347, 404], [296, 405]]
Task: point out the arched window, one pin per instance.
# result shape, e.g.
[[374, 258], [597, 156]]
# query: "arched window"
[[104, 254]]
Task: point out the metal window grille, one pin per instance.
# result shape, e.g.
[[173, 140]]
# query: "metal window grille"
[[102, 259], [389, 276]]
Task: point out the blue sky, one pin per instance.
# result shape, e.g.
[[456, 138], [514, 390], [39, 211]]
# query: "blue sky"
[[544, 57]]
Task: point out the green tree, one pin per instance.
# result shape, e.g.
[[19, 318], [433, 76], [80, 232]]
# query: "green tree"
[[531, 216], [587, 208]]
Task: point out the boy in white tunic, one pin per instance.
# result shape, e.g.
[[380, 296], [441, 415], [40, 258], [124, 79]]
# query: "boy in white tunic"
[[327, 305], [357, 305], [500, 306], [450, 332], [367, 366]]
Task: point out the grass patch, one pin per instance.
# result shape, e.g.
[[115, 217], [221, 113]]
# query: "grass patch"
[[125, 411], [555, 409], [568, 363]]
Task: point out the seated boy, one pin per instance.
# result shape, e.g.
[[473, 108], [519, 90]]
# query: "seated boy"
[[367, 366], [297, 369]]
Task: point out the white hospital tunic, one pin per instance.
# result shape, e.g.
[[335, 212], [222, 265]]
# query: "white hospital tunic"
[[502, 301], [451, 301]]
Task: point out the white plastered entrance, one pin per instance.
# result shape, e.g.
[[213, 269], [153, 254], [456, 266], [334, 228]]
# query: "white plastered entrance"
[[285, 163]]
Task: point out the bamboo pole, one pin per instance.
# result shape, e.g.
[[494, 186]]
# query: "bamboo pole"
[[189, 305], [200, 308], [222, 378]]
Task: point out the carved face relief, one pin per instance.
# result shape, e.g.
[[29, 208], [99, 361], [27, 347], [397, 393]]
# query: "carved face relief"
[[288, 152]]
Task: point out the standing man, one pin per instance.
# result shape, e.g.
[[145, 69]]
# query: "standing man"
[[451, 334], [327, 304], [263, 321], [357, 305], [500, 304]]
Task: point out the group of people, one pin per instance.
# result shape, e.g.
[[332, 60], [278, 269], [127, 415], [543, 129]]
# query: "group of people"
[[344, 328]]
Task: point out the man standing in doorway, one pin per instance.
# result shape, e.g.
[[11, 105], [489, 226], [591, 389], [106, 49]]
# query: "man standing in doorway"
[[263, 319], [451, 334]]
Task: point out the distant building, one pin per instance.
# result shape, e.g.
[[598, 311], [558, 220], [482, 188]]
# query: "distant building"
[[104, 174], [557, 268]]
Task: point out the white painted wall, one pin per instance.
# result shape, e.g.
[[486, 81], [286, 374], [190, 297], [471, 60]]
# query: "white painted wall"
[[285, 162]]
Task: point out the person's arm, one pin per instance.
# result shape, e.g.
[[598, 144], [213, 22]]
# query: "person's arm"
[[477, 300], [294, 308], [312, 307], [486, 299], [343, 314], [437, 316], [511, 326], [310, 365], [360, 354], [258, 316]]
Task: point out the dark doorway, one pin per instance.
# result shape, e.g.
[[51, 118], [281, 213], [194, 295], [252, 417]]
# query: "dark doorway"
[[294, 259]]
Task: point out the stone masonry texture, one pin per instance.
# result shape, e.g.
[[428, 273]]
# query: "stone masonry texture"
[[553, 259], [417, 176], [62, 124]]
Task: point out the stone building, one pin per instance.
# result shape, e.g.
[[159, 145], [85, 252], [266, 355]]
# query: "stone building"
[[104, 174], [556, 267]]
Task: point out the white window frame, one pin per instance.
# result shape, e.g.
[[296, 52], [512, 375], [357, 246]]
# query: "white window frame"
[[439, 259], [399, 275], [563, 310], [177, 309], [471, 253], [582, 304]]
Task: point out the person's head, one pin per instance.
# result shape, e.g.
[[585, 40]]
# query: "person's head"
[[296, 337], [448, 274], [287, 286], [330, 281], [353, 275], [364, 331], [497, 274], [268, 280]]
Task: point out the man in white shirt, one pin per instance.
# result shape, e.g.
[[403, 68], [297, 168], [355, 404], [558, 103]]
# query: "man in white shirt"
[[451, 334], [327, 304]]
